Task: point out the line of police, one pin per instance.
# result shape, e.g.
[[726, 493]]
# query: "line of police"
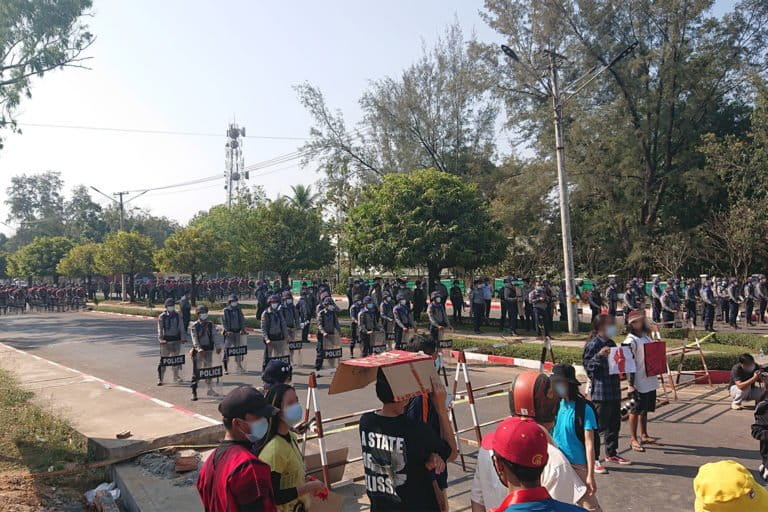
[[40, 298]]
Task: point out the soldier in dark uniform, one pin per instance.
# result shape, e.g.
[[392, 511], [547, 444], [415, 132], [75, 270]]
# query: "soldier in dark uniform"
[[669, 305], [367, 321], [354, 311], [419, 301], [327, 323], [438, 318], [631, 301], [691, 294], [403, 320], [750, 296], [709, 300], [734, 299], [306, 311], [457, 301]]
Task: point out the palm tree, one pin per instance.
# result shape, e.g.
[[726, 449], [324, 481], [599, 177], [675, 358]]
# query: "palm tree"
[[303, 197]]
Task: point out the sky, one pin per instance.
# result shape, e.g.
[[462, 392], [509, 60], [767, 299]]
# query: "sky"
[[195, 66]]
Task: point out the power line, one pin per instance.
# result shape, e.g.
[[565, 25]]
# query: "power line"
[[153, 132]]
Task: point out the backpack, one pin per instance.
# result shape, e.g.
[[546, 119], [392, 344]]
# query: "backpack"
[[581, 409]]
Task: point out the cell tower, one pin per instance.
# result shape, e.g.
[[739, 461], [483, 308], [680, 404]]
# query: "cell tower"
[[234, 164]]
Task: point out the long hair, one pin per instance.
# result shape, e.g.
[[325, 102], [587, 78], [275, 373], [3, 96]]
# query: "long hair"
[[597, 323], [275, 397]]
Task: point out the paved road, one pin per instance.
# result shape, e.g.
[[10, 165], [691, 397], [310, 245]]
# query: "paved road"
[[696, 429]]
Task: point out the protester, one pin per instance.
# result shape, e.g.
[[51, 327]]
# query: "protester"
[[530, 395], [519, 456], [427, 413], [745, 376], [233, 478], [401, 455], [605, 389], [574, 431], [760, 432], [279, 448], [276, 372], [727, 486], [642, 388]]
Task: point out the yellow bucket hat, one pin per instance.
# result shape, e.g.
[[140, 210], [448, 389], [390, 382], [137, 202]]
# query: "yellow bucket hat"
[[727, 486]]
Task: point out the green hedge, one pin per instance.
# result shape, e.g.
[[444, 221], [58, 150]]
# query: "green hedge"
[[249, 321], [573, 355]]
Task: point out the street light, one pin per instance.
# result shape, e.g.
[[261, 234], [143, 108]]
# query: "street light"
[[558, 101]]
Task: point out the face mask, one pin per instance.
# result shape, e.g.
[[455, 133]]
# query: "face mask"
[[561, 389], [437, 300], [203, 316], [273, 305], [170, 309], [331, 308], [233, 304], [402, 302], [371, 306], [611, 331], [258, 430], [292, 414]]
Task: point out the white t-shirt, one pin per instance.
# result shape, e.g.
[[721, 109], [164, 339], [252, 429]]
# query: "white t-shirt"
[[559, 478], [643, 383]]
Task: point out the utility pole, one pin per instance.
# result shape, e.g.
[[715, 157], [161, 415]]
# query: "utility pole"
[[558, 101], [234, 164], [123, 290]]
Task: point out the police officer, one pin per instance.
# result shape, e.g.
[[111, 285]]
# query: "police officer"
[[186, 311], [170, 335], [750, 296], [291, 317], [387, 315], [306, 311], [273, 326], [762, 298], [477, 303], [669, 305], [721, 294], [457, 301], [204, 342], [539, 299], [327, 324], [354, 311], [595, 300], [709, 300], [438, 318], [563, 302], [656, 300], [734, 299], [403, 320], [509, 305], [419, 300], [233, 325], [691, 293], [631, 301], [367, 322], [612, 296]]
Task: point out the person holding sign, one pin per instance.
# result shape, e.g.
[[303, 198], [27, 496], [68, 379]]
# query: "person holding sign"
[[204, 343], [438, 318], [170, 335], [642, 388], [280, 449]]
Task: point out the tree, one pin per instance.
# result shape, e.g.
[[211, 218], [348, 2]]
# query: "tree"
[[80, 262], [37, 36], [194, 251], [125, 253], [288, 238], [303, 197], [35, 202], [236, 227], [428, 218], [136, 219], [83, 217], [40, 258]]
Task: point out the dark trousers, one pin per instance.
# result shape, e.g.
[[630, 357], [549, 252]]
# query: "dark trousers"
[[733, 312], [508, 313], [457, 305], [563, 312], [417, 309], [540, 321], [528, 316], [656, 310], [612, 309], [353, 337], [477, 315], [305, 333], [319, 351], [398, 337], [709, 317], [761, 309], [749, 307], [609, 424], [690, 311], [365, 341], [487, 311], [669, 318]]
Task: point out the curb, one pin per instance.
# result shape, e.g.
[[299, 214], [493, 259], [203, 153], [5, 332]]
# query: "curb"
[[511, 361]]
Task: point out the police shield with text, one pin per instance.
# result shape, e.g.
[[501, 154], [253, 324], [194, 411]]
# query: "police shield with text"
[[170, 335], [275, 333], [204, 343], [233, 329]]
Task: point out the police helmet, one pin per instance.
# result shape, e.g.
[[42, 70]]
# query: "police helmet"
[[328, 301], [170, 302], [232, 298], [202, 309], [273, 299], [367, 299]]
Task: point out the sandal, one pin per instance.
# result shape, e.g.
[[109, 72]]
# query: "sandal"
[[637, 447], [650, 440]]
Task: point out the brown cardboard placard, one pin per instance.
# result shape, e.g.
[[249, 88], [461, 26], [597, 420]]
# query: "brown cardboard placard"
[[313, 464], [408, 373], [333, 503]]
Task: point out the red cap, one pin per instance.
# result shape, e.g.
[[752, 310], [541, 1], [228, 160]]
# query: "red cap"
[[519, 440]]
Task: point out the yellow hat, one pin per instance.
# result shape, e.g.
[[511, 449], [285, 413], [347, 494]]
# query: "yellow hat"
[[727, 486]]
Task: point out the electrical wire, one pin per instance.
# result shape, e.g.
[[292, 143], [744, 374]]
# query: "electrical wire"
[[154, 132]]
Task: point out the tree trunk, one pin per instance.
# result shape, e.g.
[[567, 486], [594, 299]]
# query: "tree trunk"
[[284, 278], [194, 291], [130, 287], [56, 279], [433, 271]]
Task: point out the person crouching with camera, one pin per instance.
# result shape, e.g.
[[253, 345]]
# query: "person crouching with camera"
[[745, 377]]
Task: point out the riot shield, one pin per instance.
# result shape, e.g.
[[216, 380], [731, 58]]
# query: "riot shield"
[[176, 362], [206, 378], [442, 341], [332, 349], [278, 350], [295, 345], [378, 342], [236, 353], [389, 333]]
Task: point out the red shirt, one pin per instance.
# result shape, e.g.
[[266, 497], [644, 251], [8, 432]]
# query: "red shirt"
[[233, 479]]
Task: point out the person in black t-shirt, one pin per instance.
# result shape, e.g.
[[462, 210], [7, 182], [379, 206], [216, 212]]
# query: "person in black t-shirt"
[[744, 379], [401, 455]]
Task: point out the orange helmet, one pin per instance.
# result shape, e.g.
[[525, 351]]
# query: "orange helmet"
[[531, 395]]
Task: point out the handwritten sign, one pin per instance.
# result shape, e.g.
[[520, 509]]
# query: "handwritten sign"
[[620, 360], [172, 360], [237, 351]]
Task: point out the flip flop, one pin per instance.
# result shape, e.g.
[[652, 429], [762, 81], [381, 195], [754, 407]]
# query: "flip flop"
[[637, 447], [650, 440]]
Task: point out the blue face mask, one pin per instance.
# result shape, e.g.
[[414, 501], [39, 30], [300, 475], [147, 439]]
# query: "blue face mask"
[[292, 414], [438, 363], [611, 331], [258, 430], [561, 389]]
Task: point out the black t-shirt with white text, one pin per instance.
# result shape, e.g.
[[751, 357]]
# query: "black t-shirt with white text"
[[740, 374], [395, 450]]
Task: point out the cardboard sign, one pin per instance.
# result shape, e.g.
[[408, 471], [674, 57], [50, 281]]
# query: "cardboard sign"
[[621, 360], [655, 358], [313, 464], [172, 360], [332, 503], [237, 351], [408, 373], [210, 373]]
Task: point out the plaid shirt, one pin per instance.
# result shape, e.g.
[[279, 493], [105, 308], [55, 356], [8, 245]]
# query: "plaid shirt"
[[605, 387]]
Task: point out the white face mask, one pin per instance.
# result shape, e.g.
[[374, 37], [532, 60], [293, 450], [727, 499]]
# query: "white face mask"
[[233, 304], [611, 331], [273, 305], [170, 309], [438, 300], [402, 302], [203, 316]]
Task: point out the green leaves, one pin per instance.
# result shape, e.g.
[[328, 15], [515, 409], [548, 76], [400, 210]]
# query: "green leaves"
[[80, 261], [125, 252], [193, 250], [39, 258]]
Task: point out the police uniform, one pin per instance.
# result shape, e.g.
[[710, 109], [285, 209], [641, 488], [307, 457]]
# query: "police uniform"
[[170, 334], [437, 317], [367, 323], [403, 320], [204, 342], [233, 324], [327, 323], [273, 327]]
